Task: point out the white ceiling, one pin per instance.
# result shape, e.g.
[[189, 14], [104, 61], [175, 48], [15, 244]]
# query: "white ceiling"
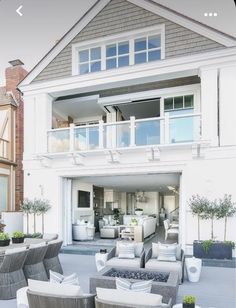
[[78, 107], [132, 183]]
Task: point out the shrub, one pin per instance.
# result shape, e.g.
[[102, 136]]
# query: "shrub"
[[18, 234], [189, 299], [4, 236]]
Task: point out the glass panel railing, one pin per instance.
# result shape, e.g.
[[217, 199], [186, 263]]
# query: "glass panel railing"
[[59, 141], [117, 135], [147, 132], [86, 138], [184, 129]]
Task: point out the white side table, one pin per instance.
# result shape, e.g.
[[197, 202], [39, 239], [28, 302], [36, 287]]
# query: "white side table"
[[100, 260], [193, 267], [181, 306]]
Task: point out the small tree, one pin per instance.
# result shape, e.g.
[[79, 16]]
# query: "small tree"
[[43, 207], [226, 209], [211, 213], [198, 206], [26, 208]]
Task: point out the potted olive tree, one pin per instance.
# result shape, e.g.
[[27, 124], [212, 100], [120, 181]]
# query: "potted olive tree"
[[189, 301], [43, 206], [4, 239], [138, 211], [26, 208], [212, 210], [18, 237]]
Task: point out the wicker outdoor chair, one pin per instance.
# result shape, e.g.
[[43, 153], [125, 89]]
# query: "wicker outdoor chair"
[[51, 260], [33, 266], [12, 276], [38, 300], [109, 304]]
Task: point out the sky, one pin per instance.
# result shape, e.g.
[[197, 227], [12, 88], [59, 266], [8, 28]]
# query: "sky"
[[31, 36]]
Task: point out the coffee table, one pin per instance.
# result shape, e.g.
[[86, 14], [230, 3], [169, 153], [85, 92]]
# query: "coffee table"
[[168, 288]]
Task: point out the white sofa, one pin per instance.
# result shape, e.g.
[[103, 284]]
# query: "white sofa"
[[149, 223]]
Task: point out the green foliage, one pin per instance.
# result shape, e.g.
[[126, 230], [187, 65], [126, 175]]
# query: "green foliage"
[[4, 236], [189, 299], [26, 206], [230, 243], [18, 234], [199, 205], [226, 207], [134, 221], [139, 209], [206, 245], [41, 206], [37, 235]]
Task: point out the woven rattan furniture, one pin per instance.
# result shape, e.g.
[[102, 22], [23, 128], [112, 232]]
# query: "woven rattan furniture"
[[107, 304], [51, 260], [33, 266], [38, 300], [12, 276]]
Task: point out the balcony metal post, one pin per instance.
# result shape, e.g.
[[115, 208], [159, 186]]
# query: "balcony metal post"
[[167, 127], [100, 134], [72, 137], [132, 132]]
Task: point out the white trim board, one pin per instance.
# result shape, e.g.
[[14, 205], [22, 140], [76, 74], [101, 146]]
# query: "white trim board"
[[155, 8]]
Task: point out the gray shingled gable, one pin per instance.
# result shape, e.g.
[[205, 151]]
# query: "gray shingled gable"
[[121, 16]]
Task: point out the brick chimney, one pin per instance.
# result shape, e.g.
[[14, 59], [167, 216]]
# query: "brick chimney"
[[14, 75]]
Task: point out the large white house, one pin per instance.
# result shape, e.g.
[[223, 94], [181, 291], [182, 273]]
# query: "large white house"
[[135, 102]]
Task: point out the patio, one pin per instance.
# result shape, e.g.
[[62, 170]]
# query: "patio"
[[216, 288]]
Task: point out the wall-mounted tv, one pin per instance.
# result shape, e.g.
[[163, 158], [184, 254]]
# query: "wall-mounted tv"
[[83, 199]]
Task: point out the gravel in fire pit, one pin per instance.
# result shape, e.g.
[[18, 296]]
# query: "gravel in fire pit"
[[160, 277]]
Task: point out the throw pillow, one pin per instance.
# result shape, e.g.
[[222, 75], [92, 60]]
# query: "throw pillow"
[[143, 286], [61, 279], [126, 251], [54, 289], [167, 253], [155, 250], [138, 247]]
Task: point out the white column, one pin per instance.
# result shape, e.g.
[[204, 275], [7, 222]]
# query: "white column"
[[37, 121], [101, 134], [227, 105], [72, 137], [209, 108], [132, 131]]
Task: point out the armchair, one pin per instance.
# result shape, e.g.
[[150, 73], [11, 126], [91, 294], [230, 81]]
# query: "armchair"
[[137, 262], [151, 262]]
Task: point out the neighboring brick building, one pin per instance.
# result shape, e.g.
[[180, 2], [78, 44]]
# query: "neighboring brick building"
[[11, 138]]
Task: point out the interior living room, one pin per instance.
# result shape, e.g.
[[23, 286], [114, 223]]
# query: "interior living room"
[[110, 208]]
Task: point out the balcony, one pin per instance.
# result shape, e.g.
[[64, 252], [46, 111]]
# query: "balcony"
[[4, 148], [174, 129]]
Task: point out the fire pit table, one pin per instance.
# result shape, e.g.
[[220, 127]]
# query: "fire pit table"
[[164, 283]]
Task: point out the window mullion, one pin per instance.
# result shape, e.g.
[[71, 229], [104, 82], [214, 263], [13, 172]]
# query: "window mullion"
[[131, 52], [103, 57]]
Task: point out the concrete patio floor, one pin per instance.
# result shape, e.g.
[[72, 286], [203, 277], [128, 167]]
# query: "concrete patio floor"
[[216, 289]]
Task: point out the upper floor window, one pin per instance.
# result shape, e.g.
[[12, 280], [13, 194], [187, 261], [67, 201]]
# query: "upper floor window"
[[147, 49], [132, 48], [90, 60], [178, 102]]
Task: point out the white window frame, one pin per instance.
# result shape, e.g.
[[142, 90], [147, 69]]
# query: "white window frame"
[[115, 39]]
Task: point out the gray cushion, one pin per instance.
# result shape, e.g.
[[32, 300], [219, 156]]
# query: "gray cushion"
[[165, 266], [134, 263], [138, 247]]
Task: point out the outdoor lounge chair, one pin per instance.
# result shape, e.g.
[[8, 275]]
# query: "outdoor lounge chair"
[[51, 260], [33, 266], [128, 299], [151, 262], [169, 229], [12, 276], [137, 262], [38, 300]]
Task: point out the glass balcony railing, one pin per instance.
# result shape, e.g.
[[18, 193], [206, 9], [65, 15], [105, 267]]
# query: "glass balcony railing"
[[86, 138], [172, 128], [59, 140]]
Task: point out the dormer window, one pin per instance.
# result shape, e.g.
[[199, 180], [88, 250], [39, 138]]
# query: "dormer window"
[[133, 48]]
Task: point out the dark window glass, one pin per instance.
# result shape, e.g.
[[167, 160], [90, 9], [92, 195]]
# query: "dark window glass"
[[111, 50], [111, 63], [154, 55], [123, 61], [123, 48], [154, 42], [140, 58], [188, 101], [168, 103], [178, 102], [140, 44]]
